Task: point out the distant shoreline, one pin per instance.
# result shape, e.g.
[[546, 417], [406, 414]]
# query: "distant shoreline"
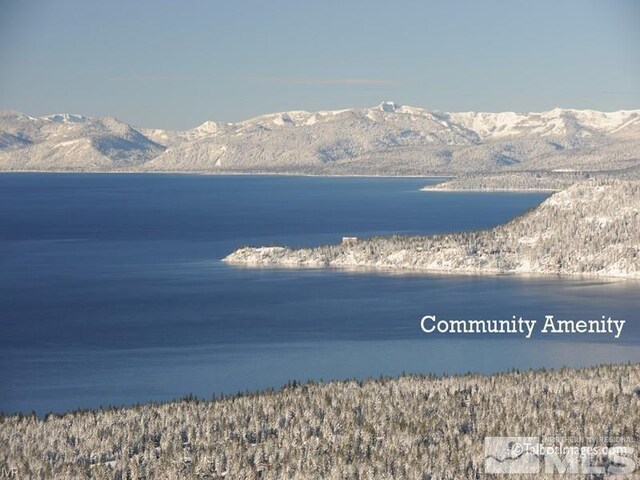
[[224, 174], [427, 188], [480, 190]]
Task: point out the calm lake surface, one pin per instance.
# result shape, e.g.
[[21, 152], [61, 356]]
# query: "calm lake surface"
[[112, 290]]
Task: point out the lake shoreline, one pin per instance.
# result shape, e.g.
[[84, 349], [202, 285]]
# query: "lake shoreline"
[[531, 243], [445, 178], [367, 269], [220, 174]]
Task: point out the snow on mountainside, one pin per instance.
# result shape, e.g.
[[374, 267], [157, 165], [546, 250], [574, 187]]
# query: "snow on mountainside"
[[66, 118], [387, 139], [71, 142], [558, 122], [591, 228], [392, 139]]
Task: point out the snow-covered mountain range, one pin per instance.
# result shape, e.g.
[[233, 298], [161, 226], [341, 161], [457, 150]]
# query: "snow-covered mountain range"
[[387, 139]]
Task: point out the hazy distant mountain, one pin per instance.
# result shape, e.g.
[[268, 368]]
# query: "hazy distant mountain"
[[590, 228], [71, 142], [386, 139]]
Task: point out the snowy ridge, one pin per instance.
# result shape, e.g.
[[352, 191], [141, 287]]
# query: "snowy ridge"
[[388, 139], [557, 122], [71, 142], [591, 228], [66, 118]]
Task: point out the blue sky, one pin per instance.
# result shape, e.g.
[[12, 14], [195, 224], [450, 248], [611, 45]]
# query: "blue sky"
[[176, 64]]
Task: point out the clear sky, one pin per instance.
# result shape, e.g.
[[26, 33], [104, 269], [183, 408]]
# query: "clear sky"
[[176, 64]]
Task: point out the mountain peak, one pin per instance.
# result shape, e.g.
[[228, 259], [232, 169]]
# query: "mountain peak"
[[66, 118], [388, 106], [208, 127]]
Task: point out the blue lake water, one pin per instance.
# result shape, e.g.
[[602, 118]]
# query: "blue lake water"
[[112, 290]]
